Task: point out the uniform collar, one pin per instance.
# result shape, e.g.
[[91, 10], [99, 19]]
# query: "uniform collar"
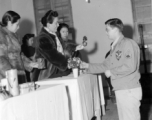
[[118, 42], [120, 39]]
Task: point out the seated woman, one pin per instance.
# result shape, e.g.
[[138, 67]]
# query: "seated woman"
[[27, 47], [50, 48], [70, 48], [28, 50], [10, 48]]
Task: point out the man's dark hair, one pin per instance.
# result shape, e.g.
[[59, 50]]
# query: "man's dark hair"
[[115, 22]]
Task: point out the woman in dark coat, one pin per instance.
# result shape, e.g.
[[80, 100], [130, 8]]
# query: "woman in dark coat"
[[50, 48]]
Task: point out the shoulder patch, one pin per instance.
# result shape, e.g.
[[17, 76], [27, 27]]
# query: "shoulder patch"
[[128, 55]]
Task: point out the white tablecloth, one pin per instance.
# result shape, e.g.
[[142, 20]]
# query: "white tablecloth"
[[47, 103], [83, 94]]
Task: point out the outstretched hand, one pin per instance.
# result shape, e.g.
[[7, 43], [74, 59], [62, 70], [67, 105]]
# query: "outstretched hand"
[[79, 47], [84, 65]]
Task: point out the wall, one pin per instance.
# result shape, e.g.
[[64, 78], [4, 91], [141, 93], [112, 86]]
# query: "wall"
[[89, 20], [26, 11], [5, 5]]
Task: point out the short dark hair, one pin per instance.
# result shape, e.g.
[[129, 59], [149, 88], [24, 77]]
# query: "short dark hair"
[[10, 16], [49, 17], [62, 25], [115, 22], [26, 38]]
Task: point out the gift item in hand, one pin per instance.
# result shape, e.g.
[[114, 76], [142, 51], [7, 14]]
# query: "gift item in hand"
[[84, 41]]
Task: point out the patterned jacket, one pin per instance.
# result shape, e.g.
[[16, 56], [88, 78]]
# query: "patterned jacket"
[[10, 53]]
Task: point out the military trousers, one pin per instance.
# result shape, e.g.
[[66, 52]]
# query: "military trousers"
[[128, 103]]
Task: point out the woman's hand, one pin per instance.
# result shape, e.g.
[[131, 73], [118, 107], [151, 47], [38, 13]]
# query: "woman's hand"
[[41, 63], [79, 47], [34, 64]]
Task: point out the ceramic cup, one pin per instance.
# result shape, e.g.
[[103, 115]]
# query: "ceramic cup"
[[75, 72], [12, 79]]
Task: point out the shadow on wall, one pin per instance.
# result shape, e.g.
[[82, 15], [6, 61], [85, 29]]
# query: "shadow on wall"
[[83, 53], [128, 31], [26, 26], [73, 33]]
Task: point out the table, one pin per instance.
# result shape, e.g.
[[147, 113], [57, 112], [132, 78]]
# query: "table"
[[46, 103], [83, 94]]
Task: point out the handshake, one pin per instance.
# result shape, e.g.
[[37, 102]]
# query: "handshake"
[[77, 63], [84, 65]]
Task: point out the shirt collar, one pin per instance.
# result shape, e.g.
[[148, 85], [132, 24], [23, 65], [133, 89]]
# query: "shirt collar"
[[118, 42], [120, 39], [50, 31]]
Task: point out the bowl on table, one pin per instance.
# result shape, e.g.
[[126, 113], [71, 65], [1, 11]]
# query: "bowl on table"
[[26, 87]]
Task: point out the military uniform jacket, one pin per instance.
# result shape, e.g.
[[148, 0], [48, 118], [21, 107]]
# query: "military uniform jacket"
[[123, 63]]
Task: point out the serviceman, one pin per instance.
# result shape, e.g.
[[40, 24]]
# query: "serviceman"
[[122, 65]]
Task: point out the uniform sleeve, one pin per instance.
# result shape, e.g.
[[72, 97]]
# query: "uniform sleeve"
[[96, 68], [129, 61], [48, 51]]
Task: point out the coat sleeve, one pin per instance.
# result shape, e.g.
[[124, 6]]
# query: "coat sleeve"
[[26, 62], [130, 60], [4, 61], [48, 50], [69, 49]]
